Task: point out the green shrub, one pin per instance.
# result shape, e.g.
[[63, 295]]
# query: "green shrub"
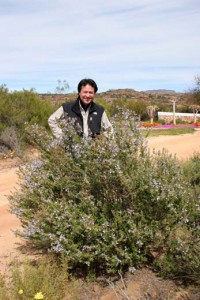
[[10, 140], [182, 249], [20, 107], [161, 121], [180, 121], [134, 106], [192, 169], [104, 204], [3, 291], [192, 172], [44, 279]]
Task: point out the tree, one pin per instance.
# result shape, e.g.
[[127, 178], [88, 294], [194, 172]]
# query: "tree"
[[151, 109], [195, 99], [195, 109], [62, 87], [3, 89]]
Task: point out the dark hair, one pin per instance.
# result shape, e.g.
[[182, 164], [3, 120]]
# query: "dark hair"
[[86, 81]]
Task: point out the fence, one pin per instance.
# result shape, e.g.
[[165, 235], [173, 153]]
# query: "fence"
[[168, 116]]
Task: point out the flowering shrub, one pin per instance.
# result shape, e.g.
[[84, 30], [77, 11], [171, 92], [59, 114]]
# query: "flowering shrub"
[[105, 204]]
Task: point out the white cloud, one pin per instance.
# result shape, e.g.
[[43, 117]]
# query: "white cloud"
[[118, 43]]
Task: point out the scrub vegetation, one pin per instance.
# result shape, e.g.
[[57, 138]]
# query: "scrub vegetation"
[[45, 279], [97, 207], [17, 109], [107, 205]]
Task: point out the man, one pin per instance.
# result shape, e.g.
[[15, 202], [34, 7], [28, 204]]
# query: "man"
[[90, 116]]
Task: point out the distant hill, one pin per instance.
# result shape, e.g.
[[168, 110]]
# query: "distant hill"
[[149, 96], [160, 91]]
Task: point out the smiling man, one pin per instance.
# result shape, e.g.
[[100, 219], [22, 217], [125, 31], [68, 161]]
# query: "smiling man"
[[90, 116]]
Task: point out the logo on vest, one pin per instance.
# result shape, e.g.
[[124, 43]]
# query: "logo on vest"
[[94, 113]]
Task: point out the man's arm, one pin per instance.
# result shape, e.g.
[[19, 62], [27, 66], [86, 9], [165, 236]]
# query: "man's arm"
[[53, 122], [106, 125]]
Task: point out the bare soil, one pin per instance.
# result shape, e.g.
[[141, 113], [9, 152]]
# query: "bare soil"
[[11, 246], [144, 284], [183, 146]]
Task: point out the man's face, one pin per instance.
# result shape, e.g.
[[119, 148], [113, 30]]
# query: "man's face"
[[87, 94]]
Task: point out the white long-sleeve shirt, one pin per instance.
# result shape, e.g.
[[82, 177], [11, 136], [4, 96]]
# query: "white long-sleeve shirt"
[[59, 114]]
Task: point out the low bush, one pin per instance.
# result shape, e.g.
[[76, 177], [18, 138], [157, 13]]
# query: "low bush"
[[44, 279], [192, 171], [161, 121], [20, 107], [107, 204], [10, 141], [180, 121]]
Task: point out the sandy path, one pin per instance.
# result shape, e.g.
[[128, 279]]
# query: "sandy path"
[[9, 243], [182, 145], [10, 246]]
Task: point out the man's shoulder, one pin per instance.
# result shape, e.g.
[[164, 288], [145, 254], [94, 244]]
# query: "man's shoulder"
[[68, 105], [97, 106]]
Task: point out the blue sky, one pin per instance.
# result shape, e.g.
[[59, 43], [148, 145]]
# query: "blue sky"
[[146, 44]]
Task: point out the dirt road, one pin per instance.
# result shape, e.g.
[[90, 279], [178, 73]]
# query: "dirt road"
[[182, 145], [10, 245]]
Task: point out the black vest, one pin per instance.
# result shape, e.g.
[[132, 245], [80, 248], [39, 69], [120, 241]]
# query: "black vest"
[[72, 110]]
